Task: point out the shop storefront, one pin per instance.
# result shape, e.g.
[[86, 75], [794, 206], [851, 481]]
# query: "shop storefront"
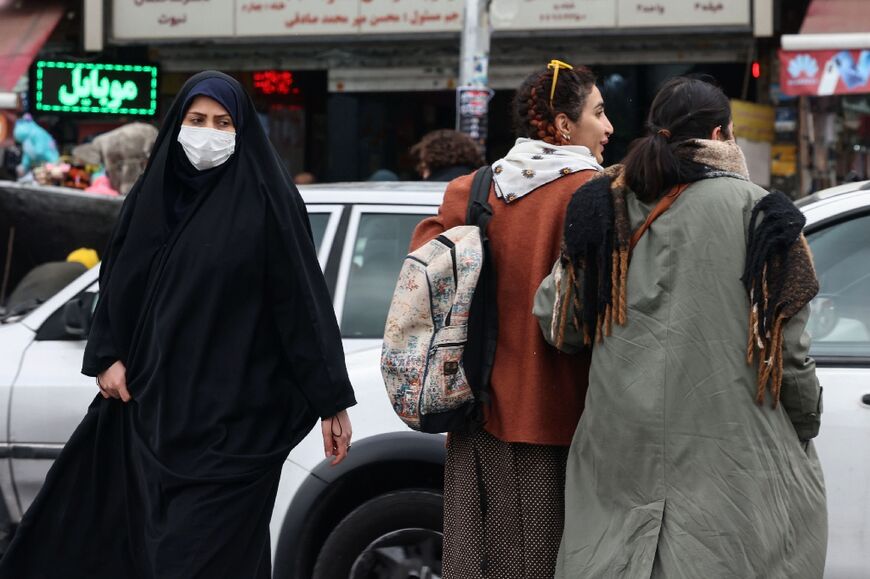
[[24, 30], [825, 94], [373, 76]]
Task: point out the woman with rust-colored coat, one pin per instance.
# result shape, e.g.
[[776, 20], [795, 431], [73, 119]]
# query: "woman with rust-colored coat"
[[516, 462]]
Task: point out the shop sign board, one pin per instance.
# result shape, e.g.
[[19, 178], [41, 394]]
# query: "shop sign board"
[[295, 18], [192, 19], [753, 121], [552, 14], [172, 19], [382, 16], [671, 13], [579, 14], [824, 72], [347, 17], [82, 87]]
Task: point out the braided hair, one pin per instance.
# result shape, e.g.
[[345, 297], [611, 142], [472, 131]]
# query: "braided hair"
[[535, 118]]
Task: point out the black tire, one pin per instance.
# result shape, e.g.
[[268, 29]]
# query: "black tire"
[[396, 514]]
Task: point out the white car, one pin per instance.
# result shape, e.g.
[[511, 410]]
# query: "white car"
[[378, 515], [838, 231]]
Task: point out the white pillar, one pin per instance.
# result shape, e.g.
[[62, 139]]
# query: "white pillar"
[[474, 50], [473, 93], [93, 25]]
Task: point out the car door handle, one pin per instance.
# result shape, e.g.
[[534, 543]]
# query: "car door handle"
[[866, 399]]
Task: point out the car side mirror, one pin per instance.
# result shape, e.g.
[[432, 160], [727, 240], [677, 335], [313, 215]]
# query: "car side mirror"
[[78, 313]]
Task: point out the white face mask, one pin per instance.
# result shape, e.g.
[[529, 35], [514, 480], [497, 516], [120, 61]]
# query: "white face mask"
[[206, 148]]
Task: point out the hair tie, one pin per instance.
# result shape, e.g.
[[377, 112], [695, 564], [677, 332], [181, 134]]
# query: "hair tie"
[[556, 66], [665, 133]]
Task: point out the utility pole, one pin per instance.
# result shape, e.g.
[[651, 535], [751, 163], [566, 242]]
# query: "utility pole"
[[473, 93]]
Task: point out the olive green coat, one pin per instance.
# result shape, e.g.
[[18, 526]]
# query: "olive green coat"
[[674, 471]]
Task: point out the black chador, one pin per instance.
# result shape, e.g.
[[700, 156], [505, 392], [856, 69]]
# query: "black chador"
[[212, 297]]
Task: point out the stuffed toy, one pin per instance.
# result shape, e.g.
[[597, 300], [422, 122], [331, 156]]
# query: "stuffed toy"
[[37, 146]]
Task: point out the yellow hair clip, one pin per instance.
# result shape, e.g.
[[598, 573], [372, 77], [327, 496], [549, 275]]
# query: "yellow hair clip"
[[556, 66]]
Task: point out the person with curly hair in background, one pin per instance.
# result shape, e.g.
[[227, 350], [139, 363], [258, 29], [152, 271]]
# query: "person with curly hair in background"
[[504, 482], [444, 155]]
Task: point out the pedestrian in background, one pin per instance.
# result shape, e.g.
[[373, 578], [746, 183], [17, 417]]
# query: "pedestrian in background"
[[305, 178], [216, 350], [694, 455], [504, 483], [444, 155]]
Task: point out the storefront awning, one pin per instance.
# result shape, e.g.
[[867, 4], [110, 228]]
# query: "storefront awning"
[[831, 55], [832, 25], [23, 31]]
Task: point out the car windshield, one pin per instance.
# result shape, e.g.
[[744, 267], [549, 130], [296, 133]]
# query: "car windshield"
[[38, 286]]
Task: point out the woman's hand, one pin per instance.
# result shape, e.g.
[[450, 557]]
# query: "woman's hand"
[[113, 382], [336, 436]]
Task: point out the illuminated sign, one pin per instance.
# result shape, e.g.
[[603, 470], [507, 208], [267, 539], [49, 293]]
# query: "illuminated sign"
[[270, 82], [80, 87]]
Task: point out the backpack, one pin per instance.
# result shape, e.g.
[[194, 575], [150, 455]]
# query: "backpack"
[[441, 330]]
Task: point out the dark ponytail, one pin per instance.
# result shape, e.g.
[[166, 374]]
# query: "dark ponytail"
[[684, 108], [535, 118]]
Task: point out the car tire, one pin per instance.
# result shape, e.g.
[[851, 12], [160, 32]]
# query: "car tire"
[[409, 522]]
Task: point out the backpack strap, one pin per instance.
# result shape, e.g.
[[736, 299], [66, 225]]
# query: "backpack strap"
[[479, 352], [664, 203], [479, 210]]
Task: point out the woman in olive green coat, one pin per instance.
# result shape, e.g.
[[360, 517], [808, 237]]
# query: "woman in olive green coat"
[[693, 458]]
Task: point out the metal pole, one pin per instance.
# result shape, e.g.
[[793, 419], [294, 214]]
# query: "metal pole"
[[474, 50], [473, 93]]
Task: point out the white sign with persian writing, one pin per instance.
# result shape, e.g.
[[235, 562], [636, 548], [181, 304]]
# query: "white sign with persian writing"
[[552, 14], [380, 16], [185, 19], [662, 13], [155, 19], [296, 17]]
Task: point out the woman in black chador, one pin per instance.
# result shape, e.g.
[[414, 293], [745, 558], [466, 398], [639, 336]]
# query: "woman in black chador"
[[216, 350]]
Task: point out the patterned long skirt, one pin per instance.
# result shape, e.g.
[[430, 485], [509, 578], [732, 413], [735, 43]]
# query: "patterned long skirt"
[[503, 508]]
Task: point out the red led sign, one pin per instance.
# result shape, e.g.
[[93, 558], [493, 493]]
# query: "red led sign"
[[274, 82]]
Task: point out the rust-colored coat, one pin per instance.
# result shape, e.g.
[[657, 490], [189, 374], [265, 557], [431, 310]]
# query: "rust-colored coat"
[[537, 391]]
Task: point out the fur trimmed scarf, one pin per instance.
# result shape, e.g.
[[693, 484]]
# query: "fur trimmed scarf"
[[778, 276]]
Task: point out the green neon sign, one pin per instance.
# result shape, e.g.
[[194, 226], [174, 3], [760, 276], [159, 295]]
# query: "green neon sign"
[[110, 89]]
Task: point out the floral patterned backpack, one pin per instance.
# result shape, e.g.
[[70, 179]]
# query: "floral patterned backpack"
[[440, 336]]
